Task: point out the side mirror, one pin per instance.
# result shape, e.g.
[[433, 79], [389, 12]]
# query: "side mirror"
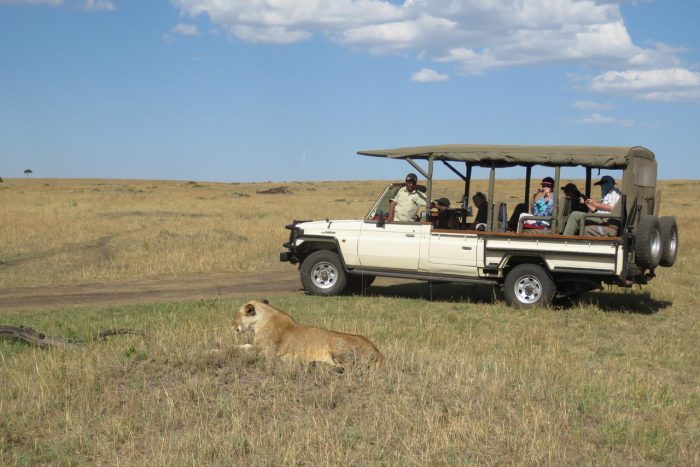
[[380, 219]]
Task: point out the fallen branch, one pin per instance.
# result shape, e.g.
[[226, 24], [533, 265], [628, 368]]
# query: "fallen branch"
[[31, 336]]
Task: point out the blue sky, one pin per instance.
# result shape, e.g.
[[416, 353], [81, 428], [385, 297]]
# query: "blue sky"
[[256, 90]]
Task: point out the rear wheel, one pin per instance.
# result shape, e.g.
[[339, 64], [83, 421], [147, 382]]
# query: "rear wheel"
[[647, 243], [322, 273], [528, 286], [669, 241]]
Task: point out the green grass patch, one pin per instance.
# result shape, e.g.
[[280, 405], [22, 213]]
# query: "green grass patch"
[[463, 383]]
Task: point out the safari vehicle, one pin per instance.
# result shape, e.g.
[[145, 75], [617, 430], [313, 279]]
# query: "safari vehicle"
[[532, 266]]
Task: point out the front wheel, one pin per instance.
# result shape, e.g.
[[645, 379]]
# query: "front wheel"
[[322, 273], [528, 286]]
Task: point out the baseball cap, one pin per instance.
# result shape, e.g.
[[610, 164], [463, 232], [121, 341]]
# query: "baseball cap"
[[605, 179], [411, 177]]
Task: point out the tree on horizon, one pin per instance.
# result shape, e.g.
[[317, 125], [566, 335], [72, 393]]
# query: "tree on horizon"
[[28, 172]]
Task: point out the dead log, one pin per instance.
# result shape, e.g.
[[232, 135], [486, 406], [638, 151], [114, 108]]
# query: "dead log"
[[31, 336]]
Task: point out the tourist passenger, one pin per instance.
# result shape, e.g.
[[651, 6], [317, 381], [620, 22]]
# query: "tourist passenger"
[[482, 206], [610, 196], [541, 206], [575, 197]]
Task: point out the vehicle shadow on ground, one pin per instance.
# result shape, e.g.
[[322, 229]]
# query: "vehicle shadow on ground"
[[610, 302], [437, 291]]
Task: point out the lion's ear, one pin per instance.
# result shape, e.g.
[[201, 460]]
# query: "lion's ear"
[[264, 300], [250, 310]]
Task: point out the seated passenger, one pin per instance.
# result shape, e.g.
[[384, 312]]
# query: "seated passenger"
[[482, 214], [542, 206], [440, 213], [405, 206], [575, 198], [610, 196]]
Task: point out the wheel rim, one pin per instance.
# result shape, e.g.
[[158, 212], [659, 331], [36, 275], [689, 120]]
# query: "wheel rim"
[[324, 275], [528, 289], [655, 243], [673, 243]]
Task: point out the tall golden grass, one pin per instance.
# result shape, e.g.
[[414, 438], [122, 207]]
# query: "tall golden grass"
[[69, 231], [612, 380]]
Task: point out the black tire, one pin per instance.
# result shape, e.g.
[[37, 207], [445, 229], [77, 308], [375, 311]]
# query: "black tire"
[[669, 241], [358, 283], [322, 273], [647, 243], [528, 286]]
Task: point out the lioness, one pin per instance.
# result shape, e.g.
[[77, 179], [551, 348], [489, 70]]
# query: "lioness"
[[277, 331]]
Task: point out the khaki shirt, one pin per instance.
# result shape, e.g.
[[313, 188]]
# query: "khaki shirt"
[[408, 204]]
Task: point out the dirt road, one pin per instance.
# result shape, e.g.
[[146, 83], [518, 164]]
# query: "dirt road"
[[151, 290]]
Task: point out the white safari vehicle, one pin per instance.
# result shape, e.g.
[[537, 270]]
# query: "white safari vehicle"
[[531, 265]]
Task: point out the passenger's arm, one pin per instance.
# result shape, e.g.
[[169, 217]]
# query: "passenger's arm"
[[392, 206]]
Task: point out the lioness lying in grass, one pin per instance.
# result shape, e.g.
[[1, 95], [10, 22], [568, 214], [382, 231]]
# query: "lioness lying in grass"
[[278, 332]]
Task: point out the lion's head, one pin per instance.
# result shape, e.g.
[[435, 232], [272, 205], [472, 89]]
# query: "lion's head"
[[248, 315]]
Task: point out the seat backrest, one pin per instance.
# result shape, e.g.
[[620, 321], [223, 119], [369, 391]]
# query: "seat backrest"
[[563, 214], [500, 212], [520, 208]]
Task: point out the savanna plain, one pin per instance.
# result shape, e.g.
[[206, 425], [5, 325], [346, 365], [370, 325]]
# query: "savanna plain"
[[613, 378]]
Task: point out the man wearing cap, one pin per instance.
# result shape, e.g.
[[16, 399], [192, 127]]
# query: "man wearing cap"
[[404, 206], [610, 197]]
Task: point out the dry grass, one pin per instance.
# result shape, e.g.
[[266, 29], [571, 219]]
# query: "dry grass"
[[463, 383], [67, 231], [613, 380]]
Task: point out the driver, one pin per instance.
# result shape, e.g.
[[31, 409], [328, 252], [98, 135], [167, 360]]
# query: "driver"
[[407, 202]]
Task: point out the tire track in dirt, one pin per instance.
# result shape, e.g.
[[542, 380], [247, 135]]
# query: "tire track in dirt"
[[198, 287]]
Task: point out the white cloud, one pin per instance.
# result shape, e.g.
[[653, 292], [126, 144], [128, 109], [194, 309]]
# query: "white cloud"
[[663, 84], [635, 80], [475, 35], [591, 106], [599, 119], [426, 75]]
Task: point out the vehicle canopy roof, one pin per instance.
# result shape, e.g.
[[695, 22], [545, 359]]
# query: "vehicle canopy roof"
[[603, 157]]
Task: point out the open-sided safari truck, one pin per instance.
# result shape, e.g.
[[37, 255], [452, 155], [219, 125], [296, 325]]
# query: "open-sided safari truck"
[[532, 265]]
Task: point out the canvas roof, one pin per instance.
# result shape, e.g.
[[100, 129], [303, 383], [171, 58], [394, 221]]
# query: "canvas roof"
[[609, 157]]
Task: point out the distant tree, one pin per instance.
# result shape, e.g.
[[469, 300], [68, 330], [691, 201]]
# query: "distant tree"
[[1, 180], [28, 172]]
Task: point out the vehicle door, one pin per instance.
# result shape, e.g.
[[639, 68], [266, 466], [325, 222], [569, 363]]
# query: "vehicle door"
[[392, 245], [449, 252]]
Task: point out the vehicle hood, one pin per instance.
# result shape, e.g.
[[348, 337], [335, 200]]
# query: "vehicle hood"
[[329, 227]]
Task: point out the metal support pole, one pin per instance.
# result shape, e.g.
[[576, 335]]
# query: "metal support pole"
[[528, 174], [555, 208], [467, 185], [587, 189], [492, 183], [430, 181]]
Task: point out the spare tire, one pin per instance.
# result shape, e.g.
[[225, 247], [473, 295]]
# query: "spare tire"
[[669, 241], [647, 243]]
